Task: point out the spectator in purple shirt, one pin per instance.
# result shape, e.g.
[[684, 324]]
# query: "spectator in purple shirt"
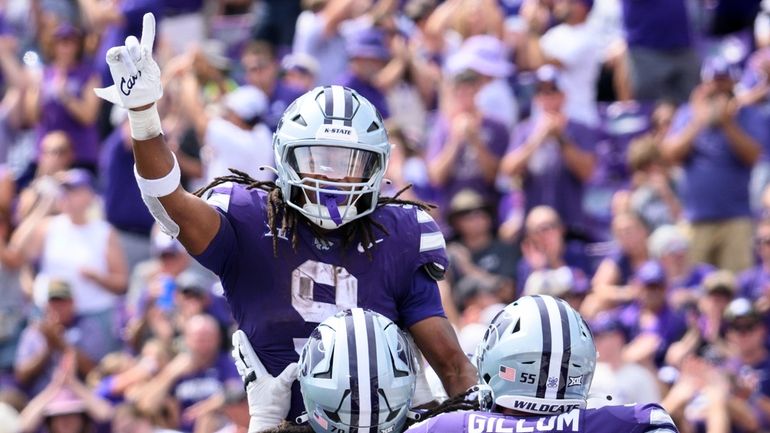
[[196, 375], [717, 143], [669, 245], [552, 154], [748, 368], [261, 70], [651, 323], [62, 99], [464, 147], [45, 342], [610, 282], [663, 64], [544, 247], [368, 57]]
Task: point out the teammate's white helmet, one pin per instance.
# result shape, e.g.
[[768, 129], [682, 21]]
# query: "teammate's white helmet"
[[357, 373], [331, 152], [538, 355]]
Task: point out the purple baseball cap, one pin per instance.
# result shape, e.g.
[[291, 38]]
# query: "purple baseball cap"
[[719, 67], [651, 273], [76, 178], [66, 30], [368, 43]]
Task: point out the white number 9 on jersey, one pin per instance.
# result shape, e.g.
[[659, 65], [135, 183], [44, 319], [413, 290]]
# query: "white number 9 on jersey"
[[303, 281]]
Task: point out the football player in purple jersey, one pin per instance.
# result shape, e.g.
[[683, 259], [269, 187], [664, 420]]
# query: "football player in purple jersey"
[[290, 253], [538, 356]]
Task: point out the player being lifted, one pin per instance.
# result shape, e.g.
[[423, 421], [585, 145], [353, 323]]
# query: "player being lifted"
[[318, 240]]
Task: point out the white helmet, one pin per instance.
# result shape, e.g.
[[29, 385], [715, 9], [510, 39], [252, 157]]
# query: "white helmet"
[[331, 153], [357, 373], [538, 355]]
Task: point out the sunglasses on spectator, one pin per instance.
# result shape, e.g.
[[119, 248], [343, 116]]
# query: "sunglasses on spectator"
[[255, 67], [544, 227], [763, 240], [547, 89], [58, 151], [743, 327]]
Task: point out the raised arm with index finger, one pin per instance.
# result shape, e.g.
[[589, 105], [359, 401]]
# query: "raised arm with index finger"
[[318, 240]]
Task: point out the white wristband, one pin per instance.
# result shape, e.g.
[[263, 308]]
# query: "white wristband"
[[160, 187], [145, 124]]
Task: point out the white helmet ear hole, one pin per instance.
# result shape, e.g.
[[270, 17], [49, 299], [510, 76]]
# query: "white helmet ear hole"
[[373, 127], [299, 119]]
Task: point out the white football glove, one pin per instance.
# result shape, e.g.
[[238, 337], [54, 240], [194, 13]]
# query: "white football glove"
[[269, 397], [134, 72]]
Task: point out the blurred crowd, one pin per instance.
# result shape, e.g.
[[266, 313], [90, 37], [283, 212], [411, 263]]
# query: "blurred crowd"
[[615, 153]]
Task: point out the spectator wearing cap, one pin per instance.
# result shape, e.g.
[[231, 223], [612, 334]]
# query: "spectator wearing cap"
[[552, 154], [475, 252], [66, 405], [488, 56], [59, 331], [570, 284], [200, 373], [671, 247], [615, 272], [299, 71], [544, 248], [62, 100], [464, 147], [651, 323], [573, 48], [747, 340], [81, 248], [719, 289], [717, 144], [261, 70], [195, 296], [627, 382], [653, 190], [662, 65], [238, 139], [369, 70]]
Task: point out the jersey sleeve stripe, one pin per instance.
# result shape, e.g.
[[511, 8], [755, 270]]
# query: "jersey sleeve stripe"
[[423, 217], [431, 241], [220, 196]]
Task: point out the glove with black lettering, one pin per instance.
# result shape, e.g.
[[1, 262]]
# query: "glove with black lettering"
[[135, 74], [269, 397]]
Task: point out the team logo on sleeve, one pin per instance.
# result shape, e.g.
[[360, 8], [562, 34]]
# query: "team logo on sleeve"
[[575, 381]]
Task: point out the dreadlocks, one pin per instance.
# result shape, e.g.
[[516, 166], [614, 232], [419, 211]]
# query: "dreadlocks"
[[362, 228], [290, 427], [458, 402]]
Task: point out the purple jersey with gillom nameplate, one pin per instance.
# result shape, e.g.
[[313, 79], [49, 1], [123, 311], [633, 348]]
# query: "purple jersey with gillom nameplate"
[[278, 300], [632, 418]]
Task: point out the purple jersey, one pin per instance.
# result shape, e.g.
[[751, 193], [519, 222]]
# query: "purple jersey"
[[630, 418], [278, 300]]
